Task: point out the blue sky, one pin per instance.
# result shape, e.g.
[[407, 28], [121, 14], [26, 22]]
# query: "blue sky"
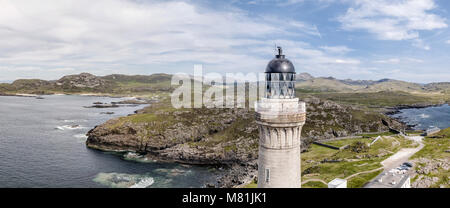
[[358, 39]]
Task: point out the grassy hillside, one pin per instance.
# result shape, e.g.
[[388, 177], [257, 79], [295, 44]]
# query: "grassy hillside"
[[120, 85], [384, 98], [327, 85], [436, 146], [330, 84], [394, 85], [432, 168], [140, 84]]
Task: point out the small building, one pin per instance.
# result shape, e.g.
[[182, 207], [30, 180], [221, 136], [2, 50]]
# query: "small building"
[[431, 131], [391, 179], [337, 183]]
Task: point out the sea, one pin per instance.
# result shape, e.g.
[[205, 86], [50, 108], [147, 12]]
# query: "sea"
[[42, 144], [425, 118]]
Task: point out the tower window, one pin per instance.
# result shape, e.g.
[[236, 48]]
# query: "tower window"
[[267, 175]]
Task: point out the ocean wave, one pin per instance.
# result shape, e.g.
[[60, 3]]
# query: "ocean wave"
[[136, 157], [423, 115], [173, 172], [80, 136], [123, 180], [69, 127], [144, 183]]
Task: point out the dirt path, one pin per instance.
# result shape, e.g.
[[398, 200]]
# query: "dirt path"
[[314, 179], [364, 172]]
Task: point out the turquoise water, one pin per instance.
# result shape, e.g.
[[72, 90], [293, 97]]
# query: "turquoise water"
[[42, 144], [424, 118]]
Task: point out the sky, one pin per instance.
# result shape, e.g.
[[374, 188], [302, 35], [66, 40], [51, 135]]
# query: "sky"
[[347, 39]]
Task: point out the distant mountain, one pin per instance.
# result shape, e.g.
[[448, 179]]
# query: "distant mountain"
[[321, 84], [303, 77], [135, 84], [438, 86], [88, 83], [330, 84], [154, 78]]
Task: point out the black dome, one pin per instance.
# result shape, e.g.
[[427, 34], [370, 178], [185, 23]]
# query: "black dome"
[[280, 64]]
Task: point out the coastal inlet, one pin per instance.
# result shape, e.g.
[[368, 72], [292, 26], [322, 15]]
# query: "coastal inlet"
[[42, 144]]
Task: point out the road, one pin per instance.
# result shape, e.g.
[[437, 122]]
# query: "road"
[[398, 158], [403, 155]]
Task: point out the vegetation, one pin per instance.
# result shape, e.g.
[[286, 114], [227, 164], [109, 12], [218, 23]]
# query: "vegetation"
[[436, 146], [116, 85], [253, 184], [327, 164], [360, 180], [367, 135], [383, 98], [314, 184], [432, 161]]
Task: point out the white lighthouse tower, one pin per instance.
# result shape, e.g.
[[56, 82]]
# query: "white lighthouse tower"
[[280, 117]]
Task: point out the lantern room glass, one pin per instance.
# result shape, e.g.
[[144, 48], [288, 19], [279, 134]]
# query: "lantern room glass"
[[280, 85]]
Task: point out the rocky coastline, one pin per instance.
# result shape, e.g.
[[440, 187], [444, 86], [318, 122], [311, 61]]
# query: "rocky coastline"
[[396, 109]]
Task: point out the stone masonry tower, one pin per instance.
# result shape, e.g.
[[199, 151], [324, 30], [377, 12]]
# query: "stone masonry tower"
[[280, 117]]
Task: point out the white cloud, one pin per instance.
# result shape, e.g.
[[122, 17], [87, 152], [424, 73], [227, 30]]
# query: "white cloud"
[[105, 36], [393, 20], [389, 61], [399, 60], [448, 41], [336, 49], [47, 39]]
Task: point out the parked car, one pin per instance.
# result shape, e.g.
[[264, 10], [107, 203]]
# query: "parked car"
[[408, 164]]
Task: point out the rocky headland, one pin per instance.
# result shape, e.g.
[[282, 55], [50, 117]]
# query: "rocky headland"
[[223, 137]]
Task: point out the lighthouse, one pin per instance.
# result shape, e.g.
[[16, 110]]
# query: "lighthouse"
[[280, 117]]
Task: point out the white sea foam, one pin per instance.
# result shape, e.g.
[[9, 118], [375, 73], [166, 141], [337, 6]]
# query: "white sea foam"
[[143, 183], [136, 157], [123, 180], [69, 127], [60, 128], [81, 136], [424, 115]]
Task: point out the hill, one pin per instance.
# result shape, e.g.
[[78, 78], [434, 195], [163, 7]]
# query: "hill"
[[115, 84], [330, 84]]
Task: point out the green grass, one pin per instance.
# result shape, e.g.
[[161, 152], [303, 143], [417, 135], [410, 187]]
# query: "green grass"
[[377, 134], [253, 184], [314, 184], [444, 133], [343, 142], [330, 171], [359, 180], [435, 147]]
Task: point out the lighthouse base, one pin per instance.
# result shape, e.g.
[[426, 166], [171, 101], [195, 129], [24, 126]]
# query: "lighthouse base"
[[280, 124], [279, 168]]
